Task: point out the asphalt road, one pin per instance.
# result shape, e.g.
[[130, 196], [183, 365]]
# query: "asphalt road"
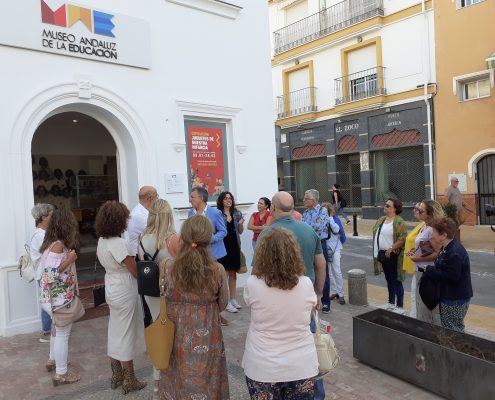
[[357, 253]]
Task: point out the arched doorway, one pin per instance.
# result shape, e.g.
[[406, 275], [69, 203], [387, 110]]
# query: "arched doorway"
[[486, 185], [74, 162]]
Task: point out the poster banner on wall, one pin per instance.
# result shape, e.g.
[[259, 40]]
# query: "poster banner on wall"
[[207, 156]]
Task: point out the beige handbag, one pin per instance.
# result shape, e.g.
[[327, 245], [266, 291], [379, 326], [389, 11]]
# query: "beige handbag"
[[159, 336], [71, 311], [328, 358]]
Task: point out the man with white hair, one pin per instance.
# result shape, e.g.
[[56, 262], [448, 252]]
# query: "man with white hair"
[[138, 220], [317, 217]]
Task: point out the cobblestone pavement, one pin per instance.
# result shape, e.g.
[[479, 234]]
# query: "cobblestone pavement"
[[22, 358]]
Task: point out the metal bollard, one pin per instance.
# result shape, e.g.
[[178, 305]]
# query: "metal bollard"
[[354, 224], [357, 287]]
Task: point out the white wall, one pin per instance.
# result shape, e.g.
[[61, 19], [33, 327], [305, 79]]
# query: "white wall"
[[403, 54], [197, 57]]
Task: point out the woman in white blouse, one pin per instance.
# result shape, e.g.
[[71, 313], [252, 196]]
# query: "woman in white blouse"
[[280, 355], [125, 326]]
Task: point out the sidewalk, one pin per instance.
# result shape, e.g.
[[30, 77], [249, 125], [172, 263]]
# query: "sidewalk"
[[22, 359], [476, 238]]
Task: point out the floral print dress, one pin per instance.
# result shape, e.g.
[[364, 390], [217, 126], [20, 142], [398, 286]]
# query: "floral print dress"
[[56, 288], [198, 368]]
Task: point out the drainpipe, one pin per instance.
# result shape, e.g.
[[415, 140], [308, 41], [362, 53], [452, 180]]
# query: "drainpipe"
[[425, 95]]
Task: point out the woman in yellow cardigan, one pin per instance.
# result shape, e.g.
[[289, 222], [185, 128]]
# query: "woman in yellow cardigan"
[[408, 264]]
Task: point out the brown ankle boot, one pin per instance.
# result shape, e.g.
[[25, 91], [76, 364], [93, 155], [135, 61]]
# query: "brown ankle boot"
[[117, 374], [131, 383]]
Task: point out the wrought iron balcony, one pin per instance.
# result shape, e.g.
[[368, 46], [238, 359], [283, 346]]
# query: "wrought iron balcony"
[[360, 85], [299, 102], [329, 20]]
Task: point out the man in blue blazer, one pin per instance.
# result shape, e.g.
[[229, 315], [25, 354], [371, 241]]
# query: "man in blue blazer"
[[198, 200]]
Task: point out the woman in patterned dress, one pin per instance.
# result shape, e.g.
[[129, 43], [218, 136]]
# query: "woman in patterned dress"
[[58, 286], [196, 293]]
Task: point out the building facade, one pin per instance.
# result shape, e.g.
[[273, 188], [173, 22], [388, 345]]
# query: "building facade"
[[465, 103], [353, 96], [101, 97]]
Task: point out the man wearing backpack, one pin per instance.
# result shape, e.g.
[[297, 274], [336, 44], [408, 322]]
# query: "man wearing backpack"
[[137, 224], [317, 217], [334, 285]]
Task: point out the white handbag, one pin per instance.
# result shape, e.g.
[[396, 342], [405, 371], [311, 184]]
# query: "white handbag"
[[328, 358], [26, 265]]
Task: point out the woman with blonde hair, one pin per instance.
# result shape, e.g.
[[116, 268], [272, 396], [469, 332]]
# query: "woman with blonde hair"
[[196, 292], [280, 358], [161, 238], [408, 264], [423, 253]]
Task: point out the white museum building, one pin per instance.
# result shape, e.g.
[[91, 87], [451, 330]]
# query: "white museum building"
[[102, 97]]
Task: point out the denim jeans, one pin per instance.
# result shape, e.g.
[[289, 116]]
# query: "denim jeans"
[[340, 210], [325, 298], [394, 286], [46, 321], [319, 387]]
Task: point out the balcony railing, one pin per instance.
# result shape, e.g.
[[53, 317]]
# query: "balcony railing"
[[360, 85], [296, 103], [332, 19]]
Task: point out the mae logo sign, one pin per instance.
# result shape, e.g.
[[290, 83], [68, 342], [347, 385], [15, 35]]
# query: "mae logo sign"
[[67, 28], [66, 16]]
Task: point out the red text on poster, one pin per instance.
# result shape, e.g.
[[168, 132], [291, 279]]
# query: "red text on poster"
[[206, 159]]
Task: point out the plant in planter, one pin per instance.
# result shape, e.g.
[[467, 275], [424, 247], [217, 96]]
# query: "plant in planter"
[[450, 211]]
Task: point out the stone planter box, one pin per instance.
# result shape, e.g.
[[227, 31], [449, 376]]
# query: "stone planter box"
[[451, 364]]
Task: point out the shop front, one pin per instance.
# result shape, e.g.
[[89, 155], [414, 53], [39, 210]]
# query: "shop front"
[[92, 112], [372, 155]]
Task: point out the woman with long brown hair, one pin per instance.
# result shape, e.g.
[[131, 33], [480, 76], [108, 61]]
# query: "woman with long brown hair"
[[232, 261], [196, 293], [280, 358], [125, 326], [58, 286]]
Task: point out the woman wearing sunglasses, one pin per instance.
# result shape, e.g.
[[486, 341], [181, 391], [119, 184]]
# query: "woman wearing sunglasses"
[[423, 254], [389, 236]]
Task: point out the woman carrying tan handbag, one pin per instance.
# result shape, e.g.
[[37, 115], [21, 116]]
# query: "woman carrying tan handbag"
[[58, 288]]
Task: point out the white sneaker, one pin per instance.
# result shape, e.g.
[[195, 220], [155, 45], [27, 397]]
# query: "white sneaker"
[[235, 304], [231, 308], [398, 310]]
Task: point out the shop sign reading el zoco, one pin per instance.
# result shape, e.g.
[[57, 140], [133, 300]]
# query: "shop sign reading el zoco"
[[66, 16]]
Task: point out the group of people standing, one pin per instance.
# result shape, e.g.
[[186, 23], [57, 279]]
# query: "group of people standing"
[[296, 270], [430, 249], [201, 264]]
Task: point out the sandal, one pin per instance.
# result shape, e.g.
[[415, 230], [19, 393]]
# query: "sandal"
[[67, 378], [50, 365]]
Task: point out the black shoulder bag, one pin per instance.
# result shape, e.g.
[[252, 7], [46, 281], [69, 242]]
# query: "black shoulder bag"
[[148, 274]]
